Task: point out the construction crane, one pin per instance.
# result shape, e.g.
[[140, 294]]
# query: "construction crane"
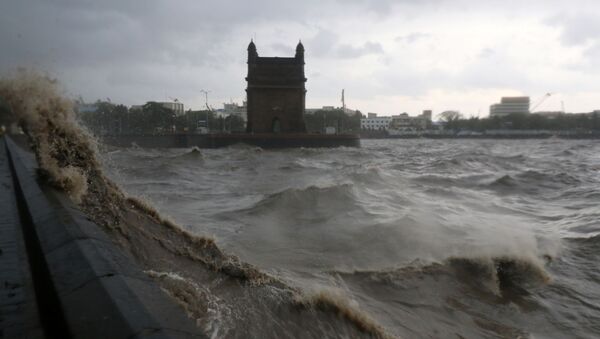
[[205, 92], [541, 101]]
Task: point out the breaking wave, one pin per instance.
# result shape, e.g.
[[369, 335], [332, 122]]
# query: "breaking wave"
[[302, 198], [497, 275], [334, 301], [533, 180]]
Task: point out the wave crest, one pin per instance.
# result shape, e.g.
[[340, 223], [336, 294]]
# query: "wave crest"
[[303, 198], [330, 301], [499, 275]]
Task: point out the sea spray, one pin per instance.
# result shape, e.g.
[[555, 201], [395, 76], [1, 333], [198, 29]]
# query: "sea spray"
[[66, 153], [199, 303]]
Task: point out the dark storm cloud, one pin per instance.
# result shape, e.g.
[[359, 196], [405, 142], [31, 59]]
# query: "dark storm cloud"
[[138, 50], [99, 45], [72, 33]]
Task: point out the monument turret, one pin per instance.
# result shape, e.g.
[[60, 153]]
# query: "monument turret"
[[276, 92]]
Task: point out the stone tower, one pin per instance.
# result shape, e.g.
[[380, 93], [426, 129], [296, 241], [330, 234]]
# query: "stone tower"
[[276, 93]]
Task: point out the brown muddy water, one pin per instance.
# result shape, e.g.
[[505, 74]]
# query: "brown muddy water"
[[428, 238]]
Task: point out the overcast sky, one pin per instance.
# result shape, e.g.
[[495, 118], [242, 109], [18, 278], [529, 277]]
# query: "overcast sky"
[[390, 56]]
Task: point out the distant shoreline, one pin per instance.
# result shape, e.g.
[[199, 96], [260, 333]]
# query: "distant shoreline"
[[578, 136]]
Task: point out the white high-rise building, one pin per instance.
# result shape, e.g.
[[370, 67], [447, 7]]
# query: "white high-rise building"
[[175, 106], [510, 105]]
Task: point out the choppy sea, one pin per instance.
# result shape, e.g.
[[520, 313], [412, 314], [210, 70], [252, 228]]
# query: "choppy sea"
[[430, 238]]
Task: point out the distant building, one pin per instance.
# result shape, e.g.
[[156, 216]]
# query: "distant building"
[[175, 106], [276, 93], [399, 122], [373, 122], [234, 109], [510, 105], [406, 122], [427, 114]]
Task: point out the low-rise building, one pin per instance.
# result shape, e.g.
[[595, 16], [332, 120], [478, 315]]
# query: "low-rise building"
[[397, 122], [405, 122], [233, 108], [373, 122], [401, 121]]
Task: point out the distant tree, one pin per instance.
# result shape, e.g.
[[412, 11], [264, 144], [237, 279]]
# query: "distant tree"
[[157, 118], [595, 121], [588, 121], [449, 116], [450, 119], [235, 123]]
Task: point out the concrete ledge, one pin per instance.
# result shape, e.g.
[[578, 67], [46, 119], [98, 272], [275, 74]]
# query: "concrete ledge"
[[18, 307], [96, 287]]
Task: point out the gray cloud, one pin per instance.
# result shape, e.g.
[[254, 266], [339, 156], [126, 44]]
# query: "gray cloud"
[[348, 51], [284, 49], [322, 43], [487, 53], [412, 37], [385, 7], [577, 28]]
